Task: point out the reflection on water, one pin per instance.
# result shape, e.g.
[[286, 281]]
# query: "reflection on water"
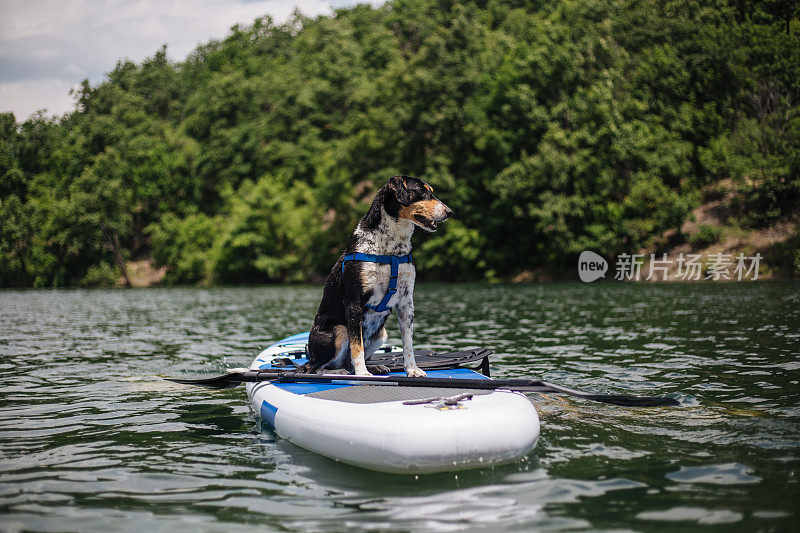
[[92, 439]]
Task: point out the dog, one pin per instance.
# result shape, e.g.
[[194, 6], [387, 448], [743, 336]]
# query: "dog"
[[374, 275]]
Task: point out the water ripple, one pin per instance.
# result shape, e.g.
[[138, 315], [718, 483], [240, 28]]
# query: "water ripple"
[[92, 439]]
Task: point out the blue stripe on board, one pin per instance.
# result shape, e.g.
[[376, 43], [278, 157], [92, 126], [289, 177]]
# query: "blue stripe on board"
[[307, 388], [268, 412], [449, 373]]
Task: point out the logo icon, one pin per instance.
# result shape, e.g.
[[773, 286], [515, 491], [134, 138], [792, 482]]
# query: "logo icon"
[[591, 266]]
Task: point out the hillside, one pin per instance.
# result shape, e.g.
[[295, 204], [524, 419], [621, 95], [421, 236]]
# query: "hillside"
[[549, 127]]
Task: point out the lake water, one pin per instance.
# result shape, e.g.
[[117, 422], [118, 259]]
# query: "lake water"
[[92, 439]]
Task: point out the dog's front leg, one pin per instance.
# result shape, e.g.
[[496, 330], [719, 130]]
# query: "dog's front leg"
[[355, 316], [405, 315]]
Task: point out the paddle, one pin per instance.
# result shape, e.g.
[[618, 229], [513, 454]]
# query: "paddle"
[[521, 385]]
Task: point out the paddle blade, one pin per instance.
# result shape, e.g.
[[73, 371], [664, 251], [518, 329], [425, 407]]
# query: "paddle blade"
[[634, 401], [615, 399], [225, 381]]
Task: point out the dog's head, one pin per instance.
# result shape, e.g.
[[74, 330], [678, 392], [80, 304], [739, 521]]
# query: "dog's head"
[[412, 199]]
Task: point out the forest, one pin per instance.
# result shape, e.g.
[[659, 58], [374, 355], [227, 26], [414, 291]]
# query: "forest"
[[549, 127]]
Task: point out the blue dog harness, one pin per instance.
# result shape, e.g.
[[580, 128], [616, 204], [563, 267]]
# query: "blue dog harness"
[[394, 260]]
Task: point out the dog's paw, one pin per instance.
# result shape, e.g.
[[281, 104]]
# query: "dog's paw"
[[363, 372], [378, 369], [415, 372]]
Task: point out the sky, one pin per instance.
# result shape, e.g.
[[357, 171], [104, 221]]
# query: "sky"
[[48, 46]]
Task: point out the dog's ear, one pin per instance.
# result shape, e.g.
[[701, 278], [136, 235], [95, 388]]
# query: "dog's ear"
[[400, 189]]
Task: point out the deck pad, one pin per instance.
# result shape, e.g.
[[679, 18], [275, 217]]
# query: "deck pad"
[[381, 393]]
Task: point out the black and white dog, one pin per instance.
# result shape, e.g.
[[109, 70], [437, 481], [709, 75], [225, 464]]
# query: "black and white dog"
[[373, 276]]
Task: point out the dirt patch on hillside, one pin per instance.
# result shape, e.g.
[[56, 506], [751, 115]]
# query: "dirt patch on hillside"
[[774, 244], [142, 273]]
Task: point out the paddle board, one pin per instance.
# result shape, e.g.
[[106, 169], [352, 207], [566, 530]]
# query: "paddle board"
[[386, 428]]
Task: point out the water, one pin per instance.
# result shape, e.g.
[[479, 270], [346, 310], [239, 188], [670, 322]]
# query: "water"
[[92, 439]]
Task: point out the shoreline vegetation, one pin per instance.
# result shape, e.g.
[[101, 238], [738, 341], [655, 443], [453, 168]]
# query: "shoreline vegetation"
[[550, 128]]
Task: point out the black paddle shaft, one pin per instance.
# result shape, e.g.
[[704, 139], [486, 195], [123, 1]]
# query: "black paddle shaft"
[[520, 385], [282, 376]]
